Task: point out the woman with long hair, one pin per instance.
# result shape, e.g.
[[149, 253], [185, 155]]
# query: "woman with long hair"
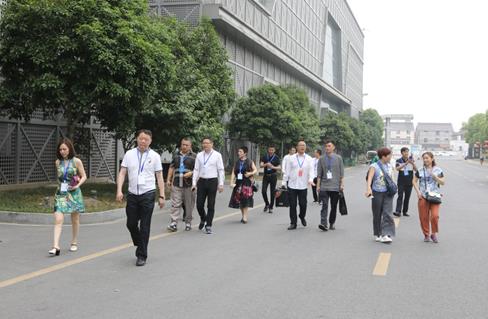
[[427, 182], [68, 198]]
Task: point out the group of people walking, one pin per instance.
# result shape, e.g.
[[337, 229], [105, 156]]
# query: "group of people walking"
[[381, 188], [195, 179]]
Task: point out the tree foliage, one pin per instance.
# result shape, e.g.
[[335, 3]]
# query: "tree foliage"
[[476, 129], [274, 114]]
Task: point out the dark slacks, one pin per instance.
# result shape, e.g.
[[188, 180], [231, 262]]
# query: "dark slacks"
[[334, 199], [139, 212], [207, 191], [270, 180], [314, 191], [297, 196], [403, 200]]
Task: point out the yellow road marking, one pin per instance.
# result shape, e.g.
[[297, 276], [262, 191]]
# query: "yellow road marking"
[[44, 271], [382, 264]]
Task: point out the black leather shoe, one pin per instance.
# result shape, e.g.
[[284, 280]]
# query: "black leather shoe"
[[396, 214], [140, 261], [304, 222], [270, 211], [292, 227], [201, 225], [331, 227], [323, 227], [265, 209], [406, 215]]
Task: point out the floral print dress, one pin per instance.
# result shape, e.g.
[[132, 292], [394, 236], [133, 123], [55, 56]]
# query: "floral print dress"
[[70, 201]]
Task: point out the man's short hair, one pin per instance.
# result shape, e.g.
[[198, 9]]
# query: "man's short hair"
[[404, 149], [147, 132]]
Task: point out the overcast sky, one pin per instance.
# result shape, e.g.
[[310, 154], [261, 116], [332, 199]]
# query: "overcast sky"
[[425, 57]]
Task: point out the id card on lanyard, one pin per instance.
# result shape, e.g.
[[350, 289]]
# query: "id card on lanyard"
[[300, 165], [270, 160], [329, 167], [239, 175], [65, 185], [141, 179]]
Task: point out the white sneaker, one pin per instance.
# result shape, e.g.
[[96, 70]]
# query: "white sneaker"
[[377, 238], [386, 240]]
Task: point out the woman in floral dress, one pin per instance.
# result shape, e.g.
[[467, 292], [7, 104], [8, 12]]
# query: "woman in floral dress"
[[68, 198]]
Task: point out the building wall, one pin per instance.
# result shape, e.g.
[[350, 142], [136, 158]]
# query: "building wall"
[[434, 139], [284, 42]]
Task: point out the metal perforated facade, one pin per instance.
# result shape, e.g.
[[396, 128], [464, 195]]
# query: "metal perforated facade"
[[285, 42]]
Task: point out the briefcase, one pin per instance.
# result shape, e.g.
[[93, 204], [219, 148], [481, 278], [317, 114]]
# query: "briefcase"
[[342, 204], [282, 197]]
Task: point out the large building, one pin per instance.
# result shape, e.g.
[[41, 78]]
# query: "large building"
[[314, 44], [434, 136]]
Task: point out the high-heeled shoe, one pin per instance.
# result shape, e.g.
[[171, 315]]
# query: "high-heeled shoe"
[[54, 251]]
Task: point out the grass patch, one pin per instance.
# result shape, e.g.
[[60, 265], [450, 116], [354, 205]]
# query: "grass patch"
[[97, 196]]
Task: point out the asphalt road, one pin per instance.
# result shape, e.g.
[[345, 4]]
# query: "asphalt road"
[[261, 270]]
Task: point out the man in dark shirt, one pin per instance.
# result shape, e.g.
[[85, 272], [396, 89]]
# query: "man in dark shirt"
[[406, 168], [180, 181], [271, 164]]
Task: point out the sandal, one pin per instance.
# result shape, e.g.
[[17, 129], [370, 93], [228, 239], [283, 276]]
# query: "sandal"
[[74, 247]]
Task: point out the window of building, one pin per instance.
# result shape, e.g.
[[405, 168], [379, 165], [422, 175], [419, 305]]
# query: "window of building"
[[437, 133], [332, 71], [425, 140]]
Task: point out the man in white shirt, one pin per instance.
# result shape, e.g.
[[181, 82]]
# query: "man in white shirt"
[[291, 151], [298, 175], [143, 167], [208, 177]]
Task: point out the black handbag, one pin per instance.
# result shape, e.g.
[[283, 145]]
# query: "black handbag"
[[282, 197], [391, 187], [431, 197], [342, 204]]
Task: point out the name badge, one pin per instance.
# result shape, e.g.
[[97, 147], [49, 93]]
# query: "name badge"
[[239, 176], [300, 172], [141, 180], [405, 172], [329, 175], [64, 187], [182, 168]]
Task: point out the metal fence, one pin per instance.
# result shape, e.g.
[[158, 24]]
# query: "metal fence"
[[28, 151]]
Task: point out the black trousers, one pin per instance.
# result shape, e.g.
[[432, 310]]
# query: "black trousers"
[[207, 191], [334, 199], [404, 192], [314, 190], [300, 196], [270, 180], [139, 212]]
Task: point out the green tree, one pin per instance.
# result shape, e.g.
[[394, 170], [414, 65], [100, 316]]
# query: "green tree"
[[82, 58], [274, 114], [200, 94], [336, 127], [476, 128], [375, 126]]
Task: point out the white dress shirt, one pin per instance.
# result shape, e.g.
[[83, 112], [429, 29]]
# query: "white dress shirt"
[[283, 163], [141, 170], [294, 165], [209, 165], [315, 165]]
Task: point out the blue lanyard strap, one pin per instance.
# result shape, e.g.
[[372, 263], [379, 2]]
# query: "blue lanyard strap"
[[66, 169], [141, 168], [300, 164], [330, 160], [205, 161], [241, 166]]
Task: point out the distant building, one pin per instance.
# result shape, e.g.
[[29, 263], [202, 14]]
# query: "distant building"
[[434, 136], [399, 130], [458, 144]]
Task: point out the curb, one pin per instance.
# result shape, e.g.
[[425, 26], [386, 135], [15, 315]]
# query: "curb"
[[48, 219]]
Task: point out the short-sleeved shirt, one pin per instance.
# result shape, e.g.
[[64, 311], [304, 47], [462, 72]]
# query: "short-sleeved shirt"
[[183, 164], [142, 167], [427, 182], [334, 165], [274, 160], [379, 182], [405, 176]]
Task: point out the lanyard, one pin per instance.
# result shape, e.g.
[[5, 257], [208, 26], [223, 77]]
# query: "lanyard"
[[66, 168], [141, 168], [300, 164], [330, 160], [206, 161], [270, 159], [182, 160], [241, 166]]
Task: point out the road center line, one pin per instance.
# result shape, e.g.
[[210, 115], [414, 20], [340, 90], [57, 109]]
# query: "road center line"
[[382, 264], [47, 270], [397, 222]]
